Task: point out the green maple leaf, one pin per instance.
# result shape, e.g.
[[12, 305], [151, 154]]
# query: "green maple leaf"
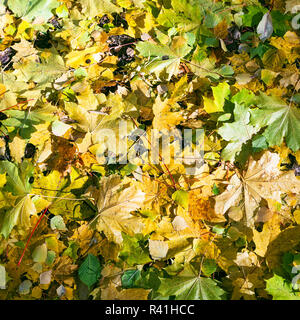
[[44, 72], [25, 121], [134, 250], [281, 289], [18, 215], [184, 14], [64, 194], [92, 8], [17, 177], [282, 121], [193, 16], [191, 288], [245, 97], [17, 183], [237, 132], [204, 66], [190, 285], [254, 15], [30, 9], [166, 57]]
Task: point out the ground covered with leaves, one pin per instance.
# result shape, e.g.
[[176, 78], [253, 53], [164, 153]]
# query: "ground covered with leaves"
[[75, 223]]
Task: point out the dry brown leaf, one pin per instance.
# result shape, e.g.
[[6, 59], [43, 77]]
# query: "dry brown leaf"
[[261, 180]]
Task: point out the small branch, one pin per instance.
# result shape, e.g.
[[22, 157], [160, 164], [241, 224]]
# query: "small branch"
[[31, 234]]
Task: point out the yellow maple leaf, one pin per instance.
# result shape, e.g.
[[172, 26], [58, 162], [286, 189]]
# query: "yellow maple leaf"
[[270, 231], [115, 206], [164, 118]]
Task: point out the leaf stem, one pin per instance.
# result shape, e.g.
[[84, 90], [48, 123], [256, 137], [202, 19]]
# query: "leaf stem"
[[15, 105], [31, 234]]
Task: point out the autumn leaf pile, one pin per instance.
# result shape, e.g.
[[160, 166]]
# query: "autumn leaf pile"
[[75, 227]]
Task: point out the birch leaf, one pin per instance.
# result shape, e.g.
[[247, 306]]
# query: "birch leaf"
[[158, 249], [2, 277], [265, 27]]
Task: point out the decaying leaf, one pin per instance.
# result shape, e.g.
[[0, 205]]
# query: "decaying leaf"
[[261, 180]]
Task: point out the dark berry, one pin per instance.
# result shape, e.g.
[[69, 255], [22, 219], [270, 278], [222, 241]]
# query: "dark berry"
[[107, 89], [124, 59], [119, 20], [95, 174], [46, 172], [294, 165], [232, 40], [7, 153], [165, 58], [43, 41], [50, 215], [29, 150], [88, 61], [120, 71], [3, 116], [139, 146], [31, 180], [104, 20], [293, 161], [182, 104]]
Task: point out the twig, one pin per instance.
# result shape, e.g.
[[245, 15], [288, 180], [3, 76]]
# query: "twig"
[[31, 234]]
